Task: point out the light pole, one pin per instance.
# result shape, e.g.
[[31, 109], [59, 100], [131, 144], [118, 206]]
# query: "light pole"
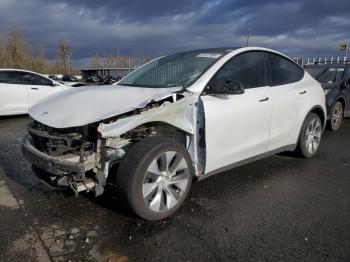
[[248, 36]]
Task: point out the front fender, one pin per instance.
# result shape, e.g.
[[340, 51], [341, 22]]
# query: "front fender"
[[180, 114]]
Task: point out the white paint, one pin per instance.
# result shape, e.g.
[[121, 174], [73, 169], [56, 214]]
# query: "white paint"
[[81, 106], [18, 98], [236, 126]]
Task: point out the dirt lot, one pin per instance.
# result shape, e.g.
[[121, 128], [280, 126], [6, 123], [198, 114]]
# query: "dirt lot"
[[278, 209]]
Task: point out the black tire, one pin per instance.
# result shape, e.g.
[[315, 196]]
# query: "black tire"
[[132, 171], [302, 148], [337, 115]]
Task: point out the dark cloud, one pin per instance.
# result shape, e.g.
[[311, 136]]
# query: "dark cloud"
[[299, 28]]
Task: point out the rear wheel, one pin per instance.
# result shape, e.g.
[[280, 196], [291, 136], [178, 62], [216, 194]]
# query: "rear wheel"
[[155, 178], [336, 116], [310, 137]]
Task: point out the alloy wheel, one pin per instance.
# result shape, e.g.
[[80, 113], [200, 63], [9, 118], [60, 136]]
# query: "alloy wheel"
[[337, 115], [165, 181], [313, 135]]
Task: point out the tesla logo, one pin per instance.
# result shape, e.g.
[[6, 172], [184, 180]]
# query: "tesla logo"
[[45, 113]]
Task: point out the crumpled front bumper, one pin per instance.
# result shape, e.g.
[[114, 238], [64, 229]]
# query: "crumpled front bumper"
[[48, 163]]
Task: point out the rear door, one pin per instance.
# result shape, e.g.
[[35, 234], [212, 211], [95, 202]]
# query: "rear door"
[[290, 100], [13, 95], [237, 125]]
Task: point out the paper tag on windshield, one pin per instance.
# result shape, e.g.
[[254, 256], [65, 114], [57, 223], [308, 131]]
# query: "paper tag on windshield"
[[209, 55]]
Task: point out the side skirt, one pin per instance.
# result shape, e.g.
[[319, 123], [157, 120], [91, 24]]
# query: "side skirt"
[[248, 160]]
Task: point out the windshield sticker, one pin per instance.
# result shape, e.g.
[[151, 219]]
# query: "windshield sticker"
[[206, 55]]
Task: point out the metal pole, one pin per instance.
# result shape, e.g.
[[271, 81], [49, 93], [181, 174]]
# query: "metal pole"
[[118, 58], [248, 36]]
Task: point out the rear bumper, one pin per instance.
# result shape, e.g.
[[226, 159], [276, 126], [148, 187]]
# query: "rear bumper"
[[48, 163]]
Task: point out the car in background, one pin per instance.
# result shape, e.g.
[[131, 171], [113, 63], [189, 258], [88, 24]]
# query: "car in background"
[[69, 78], [53, 77], [20, 89], [335, 80], [72, 81], [109, 80], [93, 79], [179, 118]]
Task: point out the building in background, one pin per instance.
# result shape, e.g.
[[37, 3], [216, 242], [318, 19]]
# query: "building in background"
[[112, 71]]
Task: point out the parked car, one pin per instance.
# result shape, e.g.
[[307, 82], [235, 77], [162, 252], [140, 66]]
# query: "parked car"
[[20, 89], [335, 80], [53, 77], [109, 80], [69, 78], [176, 119], [72, 81], [93, 79]]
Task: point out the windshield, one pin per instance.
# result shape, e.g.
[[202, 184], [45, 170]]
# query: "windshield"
[[176, 70], [325, 75]]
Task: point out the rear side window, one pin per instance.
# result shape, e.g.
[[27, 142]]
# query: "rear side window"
[[8, 77], [283, 71], [247, 68], [32, 79]]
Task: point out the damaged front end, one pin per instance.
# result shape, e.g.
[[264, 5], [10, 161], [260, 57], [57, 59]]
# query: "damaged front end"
[[83, 157], [67, 156]]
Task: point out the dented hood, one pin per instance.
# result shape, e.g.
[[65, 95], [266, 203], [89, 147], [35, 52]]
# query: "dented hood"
[[83, 105]]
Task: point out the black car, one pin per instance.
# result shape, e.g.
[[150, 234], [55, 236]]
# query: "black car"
[[53, 77], [335, 80], [68, 78], [93, 79]]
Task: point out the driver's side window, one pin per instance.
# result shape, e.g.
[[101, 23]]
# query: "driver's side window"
[[248, 69]]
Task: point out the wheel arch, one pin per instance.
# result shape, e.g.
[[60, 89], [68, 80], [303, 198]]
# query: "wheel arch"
[[341, 99], [320, 112]]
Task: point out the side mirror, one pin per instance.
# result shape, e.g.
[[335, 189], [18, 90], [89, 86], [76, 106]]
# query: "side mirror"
[[233, 87]]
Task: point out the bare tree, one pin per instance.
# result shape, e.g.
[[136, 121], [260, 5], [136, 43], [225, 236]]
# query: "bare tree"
[[19, 50], [64, 54], [95, 61]]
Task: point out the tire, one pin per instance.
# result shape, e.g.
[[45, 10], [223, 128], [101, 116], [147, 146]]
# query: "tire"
[[310, 136], [337, 115], [155, 195]]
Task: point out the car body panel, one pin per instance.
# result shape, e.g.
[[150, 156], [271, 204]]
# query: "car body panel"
[[77, 106], [237, 138], [18, 98], [291, 103]]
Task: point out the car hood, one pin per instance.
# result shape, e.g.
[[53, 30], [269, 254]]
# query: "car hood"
[[84, 105]]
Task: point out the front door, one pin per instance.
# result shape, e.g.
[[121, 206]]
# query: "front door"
[[13, 95], [237, 126]]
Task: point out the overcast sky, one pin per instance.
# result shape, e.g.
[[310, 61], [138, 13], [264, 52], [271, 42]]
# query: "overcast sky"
[[297, 28]]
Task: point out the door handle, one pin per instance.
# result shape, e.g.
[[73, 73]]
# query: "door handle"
[[264, 99], [34, 88], [303, 92]]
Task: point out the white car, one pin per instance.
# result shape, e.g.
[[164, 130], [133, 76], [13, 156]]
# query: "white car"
[[177, 119], [20, 89]]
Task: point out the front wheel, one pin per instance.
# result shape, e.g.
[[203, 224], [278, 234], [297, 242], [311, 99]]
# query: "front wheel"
[[310, 137], [155, 177]]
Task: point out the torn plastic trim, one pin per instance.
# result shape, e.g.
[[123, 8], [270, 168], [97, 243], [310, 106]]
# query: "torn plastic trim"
[[178, 114]]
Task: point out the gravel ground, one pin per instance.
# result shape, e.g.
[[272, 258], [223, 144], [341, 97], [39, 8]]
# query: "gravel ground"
[[281, 208]]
